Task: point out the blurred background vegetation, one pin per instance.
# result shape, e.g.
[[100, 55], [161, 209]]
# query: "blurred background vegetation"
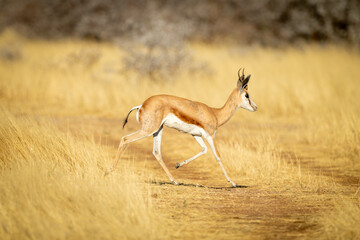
[[162, 27], [264, 21]]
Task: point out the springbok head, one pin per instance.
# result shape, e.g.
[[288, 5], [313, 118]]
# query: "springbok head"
[[242, 85]]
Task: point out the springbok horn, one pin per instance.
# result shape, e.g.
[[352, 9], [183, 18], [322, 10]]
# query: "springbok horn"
[[243, 73], [239, 73]]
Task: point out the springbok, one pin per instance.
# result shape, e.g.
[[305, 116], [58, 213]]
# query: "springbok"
[[186, 116]]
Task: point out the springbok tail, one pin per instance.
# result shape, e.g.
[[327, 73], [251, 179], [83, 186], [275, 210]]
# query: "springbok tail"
[[126, 119]]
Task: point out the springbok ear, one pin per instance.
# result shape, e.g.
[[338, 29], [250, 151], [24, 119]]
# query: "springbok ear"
[[245, 82]]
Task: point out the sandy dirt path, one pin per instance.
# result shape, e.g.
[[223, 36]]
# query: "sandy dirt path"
[[205, 206]]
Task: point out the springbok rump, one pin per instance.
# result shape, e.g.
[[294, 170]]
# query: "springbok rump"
[[195, 118]]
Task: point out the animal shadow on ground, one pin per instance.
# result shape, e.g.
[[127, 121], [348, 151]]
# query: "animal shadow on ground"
[[195, 185]]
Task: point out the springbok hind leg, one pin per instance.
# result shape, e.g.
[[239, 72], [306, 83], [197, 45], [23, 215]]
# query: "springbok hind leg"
[[203, 151], [157, 154], [123, 144]]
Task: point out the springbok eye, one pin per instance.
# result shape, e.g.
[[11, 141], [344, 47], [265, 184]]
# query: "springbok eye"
[[246, 95]]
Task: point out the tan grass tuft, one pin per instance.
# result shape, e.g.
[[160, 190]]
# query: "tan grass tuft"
[[52, 187]]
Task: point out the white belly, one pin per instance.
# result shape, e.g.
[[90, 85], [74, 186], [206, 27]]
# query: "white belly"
[[172, 121]]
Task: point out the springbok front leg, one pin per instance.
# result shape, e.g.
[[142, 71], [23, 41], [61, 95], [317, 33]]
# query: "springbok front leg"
[[123, 144], [211, 141], [203, 151], [157, 153]]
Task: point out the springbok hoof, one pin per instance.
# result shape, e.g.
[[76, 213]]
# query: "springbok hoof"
[[177, 165], [107, 172]]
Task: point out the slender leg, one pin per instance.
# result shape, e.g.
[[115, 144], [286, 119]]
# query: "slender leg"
[[157, 153], [210, 140], [123, 144], [203, 151]]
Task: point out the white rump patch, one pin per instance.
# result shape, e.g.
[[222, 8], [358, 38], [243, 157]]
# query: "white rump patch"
[[137, 113]]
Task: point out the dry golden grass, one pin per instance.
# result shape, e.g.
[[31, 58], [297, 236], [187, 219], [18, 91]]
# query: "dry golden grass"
[[298, 153], [342, 221], [52, 187]]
